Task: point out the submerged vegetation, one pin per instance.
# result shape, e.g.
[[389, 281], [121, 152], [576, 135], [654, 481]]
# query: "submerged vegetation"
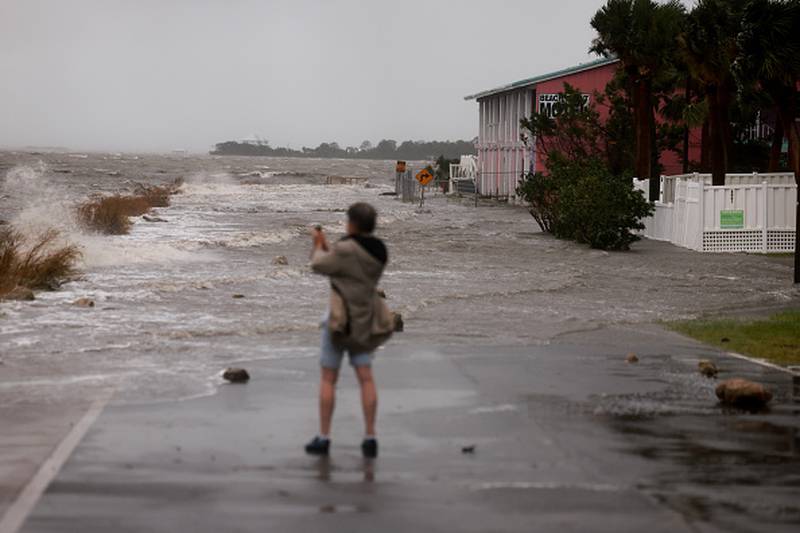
[[36, 263], [44, 261], [111, 214], [776, 339]]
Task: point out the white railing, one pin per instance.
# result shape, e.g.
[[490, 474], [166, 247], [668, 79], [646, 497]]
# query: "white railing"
[[690, 213], [459, 172], [755, 178]]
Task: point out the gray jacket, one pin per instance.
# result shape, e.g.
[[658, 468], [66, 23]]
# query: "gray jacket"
[[359, 319]]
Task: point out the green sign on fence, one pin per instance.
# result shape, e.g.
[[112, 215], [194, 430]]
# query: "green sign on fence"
[[731, 219]]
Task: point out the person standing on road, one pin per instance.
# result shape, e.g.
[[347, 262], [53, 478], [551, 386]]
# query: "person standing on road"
[[357, 321]]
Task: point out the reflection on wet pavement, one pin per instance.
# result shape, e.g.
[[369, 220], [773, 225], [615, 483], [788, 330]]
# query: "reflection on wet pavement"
[[326, 470], [717, 464]]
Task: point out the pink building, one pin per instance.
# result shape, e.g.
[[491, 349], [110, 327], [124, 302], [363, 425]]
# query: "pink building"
[[503, 157]]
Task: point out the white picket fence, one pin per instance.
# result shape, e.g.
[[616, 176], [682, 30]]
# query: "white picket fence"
[[690, 212]]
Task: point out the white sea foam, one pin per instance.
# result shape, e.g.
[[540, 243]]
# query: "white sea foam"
[[198, 182], [104, 251], [45, 206]]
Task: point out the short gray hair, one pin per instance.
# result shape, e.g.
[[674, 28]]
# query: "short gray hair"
[[363, 216]]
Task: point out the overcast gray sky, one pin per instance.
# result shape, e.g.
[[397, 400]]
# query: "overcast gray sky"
[[159, 75]]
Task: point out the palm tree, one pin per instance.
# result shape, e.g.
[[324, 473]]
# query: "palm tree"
[[642, 34], [769, 59], [708, 46]]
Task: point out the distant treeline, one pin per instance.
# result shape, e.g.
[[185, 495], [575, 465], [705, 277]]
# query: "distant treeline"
[[385, 149]]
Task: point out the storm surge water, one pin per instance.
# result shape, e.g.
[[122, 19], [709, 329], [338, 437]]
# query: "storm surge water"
[[195, 287], [164, 319]]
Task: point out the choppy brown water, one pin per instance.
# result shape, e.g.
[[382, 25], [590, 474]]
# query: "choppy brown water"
[[165, 322]]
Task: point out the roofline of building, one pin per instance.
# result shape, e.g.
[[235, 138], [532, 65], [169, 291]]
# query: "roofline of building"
[[544, 77]]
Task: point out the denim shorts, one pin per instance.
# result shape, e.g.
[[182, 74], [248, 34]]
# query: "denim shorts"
[[331, 356]]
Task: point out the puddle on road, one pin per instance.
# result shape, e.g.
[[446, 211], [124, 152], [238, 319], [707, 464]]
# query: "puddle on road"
[[343, 508], [711, 463], [545, 485]]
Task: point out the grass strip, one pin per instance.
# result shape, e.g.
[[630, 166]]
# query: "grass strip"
[[775, 339]]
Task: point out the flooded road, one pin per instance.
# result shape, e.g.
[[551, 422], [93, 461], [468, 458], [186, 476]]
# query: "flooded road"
[[165, 319], [565, 436], [516, 339]]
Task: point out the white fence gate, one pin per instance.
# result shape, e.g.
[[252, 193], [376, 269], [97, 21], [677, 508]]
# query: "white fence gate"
[[751, 213]]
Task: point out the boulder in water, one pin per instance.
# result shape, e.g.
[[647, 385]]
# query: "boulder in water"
[[280, 260], [398, 322], [236, 375], [631, 358], [238, 296], [150, 218], [708, 368], [743, 393], [83, 302]]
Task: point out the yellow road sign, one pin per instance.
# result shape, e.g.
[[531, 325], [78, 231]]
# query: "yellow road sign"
[[424, 176]]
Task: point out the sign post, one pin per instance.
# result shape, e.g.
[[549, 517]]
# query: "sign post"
[[400, 170], [424, 177]]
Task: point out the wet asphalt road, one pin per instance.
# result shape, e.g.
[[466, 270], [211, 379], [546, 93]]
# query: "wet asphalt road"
[[567, 437]]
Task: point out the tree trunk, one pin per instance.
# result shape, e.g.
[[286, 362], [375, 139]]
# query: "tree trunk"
[[705, 148], [655, 160], [685, 151], [791, 129], [716, 129], [797, 233], [643, 119], [642, 115], [776, 147], [792, 133], [787, 112], [726, 93]]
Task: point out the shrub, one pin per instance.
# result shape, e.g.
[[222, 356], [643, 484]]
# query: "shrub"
[[159, 195], [541, 192], [110, 214], [585, 202], [38, 263]]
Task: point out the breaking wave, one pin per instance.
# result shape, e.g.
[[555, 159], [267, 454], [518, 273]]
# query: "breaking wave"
[[41, 204]]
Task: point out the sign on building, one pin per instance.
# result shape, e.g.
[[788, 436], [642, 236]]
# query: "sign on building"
[[550, 104]]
